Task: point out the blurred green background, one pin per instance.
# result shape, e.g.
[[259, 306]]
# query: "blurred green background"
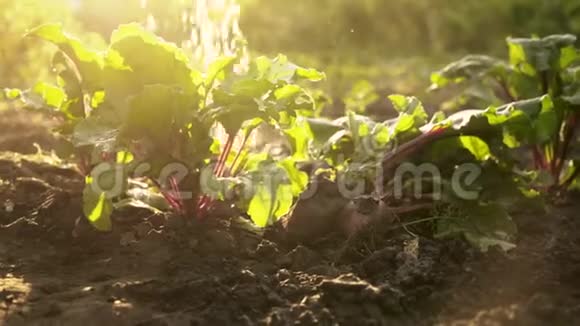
[[395, 44]]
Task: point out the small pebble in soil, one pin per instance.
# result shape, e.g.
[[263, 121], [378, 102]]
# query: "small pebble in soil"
[[283, 275], [266, 250], [247, 276], [88, 289]]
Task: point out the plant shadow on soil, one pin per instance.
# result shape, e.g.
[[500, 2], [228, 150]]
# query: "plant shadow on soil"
[[163, 270]]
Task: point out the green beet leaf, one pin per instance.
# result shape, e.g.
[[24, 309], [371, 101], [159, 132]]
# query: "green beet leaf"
[[310, 74], [277, 70], [88, 62], [269, 204], [300, 135], [534, 55], [287, 91], [471, 67], [298, 179], [219, 69], [97, 209], [12, 93], [476, 146], [151, 59], [157, 113], [275, 186], [323, 129]]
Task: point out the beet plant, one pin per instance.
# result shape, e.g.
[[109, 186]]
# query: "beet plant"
[[415, 165], [540, 85], [138, 110], [151, 130]]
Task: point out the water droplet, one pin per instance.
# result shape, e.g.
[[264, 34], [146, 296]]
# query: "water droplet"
[[8, 206]]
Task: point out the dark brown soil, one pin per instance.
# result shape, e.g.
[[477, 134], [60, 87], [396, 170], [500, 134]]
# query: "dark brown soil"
[[25, 131], [163, 270]]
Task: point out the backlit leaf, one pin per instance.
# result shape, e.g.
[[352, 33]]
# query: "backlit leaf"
[[476, 146], [97, 208]]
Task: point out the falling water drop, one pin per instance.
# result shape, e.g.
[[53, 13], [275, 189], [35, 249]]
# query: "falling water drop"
[[213, 31], [151, 24], [8, 206]]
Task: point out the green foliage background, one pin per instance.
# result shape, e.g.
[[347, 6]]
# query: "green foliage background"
[[23, 61], [401, 27], [393, 43]]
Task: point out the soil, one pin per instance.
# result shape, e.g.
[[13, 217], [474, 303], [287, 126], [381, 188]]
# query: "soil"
[[26, 131], [166, 270]]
